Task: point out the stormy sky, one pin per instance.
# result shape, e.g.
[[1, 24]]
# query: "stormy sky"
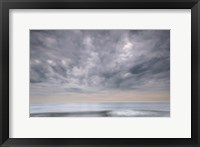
[[93, 61]]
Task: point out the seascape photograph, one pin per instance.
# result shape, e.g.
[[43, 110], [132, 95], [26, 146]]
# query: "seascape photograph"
[[99, 73]]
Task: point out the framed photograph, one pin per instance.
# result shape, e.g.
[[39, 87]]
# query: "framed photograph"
[[99, 73]]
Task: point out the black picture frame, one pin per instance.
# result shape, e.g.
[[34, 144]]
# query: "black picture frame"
[[5, 5]]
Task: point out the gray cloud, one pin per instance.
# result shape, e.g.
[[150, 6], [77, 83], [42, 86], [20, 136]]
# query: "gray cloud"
[[97, 60]]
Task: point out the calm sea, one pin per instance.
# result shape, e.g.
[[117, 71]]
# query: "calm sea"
[[144, 109]]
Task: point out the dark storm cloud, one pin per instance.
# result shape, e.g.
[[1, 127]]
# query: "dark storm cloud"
[[95, 60]]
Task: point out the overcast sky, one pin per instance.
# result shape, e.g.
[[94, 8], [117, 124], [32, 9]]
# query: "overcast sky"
[[92, 61]]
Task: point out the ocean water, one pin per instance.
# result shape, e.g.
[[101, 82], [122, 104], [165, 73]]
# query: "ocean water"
[[144, 109]]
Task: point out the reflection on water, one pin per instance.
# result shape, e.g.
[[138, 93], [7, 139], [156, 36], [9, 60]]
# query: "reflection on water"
[[101, 110]]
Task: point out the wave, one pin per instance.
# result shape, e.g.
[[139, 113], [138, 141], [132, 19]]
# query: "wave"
[[138, 113], [107, 113]]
